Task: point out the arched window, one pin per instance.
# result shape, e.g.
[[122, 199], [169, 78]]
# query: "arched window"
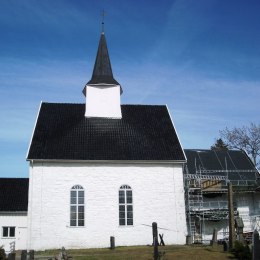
[[125, 206], [77, 206]]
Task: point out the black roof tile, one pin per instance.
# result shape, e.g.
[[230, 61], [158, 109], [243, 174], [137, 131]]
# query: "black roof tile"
[[236, 161], [14, 194], [145, 132]]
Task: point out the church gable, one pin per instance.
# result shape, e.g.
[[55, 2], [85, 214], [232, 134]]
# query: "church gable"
[[145, 132]]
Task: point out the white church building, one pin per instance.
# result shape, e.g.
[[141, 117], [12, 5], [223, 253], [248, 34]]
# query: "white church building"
[[103, 169]]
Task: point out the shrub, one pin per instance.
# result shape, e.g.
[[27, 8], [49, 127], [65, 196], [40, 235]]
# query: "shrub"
[[241, 251], [2, 253]]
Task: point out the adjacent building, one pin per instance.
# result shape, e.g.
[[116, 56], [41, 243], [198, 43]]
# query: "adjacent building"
[[13, 212], [207, 175]]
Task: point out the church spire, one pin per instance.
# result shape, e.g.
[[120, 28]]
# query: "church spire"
[[102, 72]]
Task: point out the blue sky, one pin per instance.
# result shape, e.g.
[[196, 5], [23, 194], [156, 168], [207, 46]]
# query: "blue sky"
[[201, 58]]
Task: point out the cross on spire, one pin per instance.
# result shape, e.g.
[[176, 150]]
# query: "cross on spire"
[[103, 18]]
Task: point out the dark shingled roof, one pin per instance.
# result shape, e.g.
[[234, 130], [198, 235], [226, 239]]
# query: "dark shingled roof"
[[14, 194], [145, 132], [236, 161]]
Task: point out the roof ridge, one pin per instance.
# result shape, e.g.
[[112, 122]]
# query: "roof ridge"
[[203, 149], [60, 103], [143, 105], [14, 178], [67, 103]]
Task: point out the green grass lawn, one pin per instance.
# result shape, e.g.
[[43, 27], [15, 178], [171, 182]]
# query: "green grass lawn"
[[144, 253]]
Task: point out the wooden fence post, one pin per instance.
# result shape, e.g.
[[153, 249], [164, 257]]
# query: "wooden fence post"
[[256, 246], [231, 217], [155, 241], [112, 242]]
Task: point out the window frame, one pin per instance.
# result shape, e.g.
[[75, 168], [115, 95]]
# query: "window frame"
[[79, 207], [125, 206], [8, 232]]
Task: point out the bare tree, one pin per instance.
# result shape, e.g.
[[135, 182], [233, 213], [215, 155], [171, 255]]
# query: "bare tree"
[[246, 138]]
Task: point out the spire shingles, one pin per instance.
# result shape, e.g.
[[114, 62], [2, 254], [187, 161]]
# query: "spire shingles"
[[102, 72]]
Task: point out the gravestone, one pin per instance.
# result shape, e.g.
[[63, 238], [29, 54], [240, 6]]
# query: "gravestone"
[[225, 246], [188, 240], [11, 256], [24, 255], [239, 225], [64, 253], [31, 255], [214, 240]]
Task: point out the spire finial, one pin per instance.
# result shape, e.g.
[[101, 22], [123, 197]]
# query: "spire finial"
[[103, 18]]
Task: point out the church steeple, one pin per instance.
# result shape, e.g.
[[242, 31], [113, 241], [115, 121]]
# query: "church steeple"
[[102, 72], [103, 91]]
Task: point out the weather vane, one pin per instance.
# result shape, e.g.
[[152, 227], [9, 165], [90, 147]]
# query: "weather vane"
[[103, 18]]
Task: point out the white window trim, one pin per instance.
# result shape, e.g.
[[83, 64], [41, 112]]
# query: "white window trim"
[[8, 237], [126, 188], [77, 188]]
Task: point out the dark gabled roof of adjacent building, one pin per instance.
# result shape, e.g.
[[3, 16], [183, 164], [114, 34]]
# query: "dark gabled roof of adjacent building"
[[145, 132], [14, 194], [237, 163]]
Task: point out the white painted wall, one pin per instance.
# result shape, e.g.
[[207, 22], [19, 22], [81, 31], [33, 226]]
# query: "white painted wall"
[[103, 101], [19, 221], [158, 195], [248, 206]]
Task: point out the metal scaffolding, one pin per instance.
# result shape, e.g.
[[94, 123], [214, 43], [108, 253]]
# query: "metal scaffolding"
[[202, 185]]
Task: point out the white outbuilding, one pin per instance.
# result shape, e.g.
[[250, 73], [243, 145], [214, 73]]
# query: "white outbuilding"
[[13, 213]]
